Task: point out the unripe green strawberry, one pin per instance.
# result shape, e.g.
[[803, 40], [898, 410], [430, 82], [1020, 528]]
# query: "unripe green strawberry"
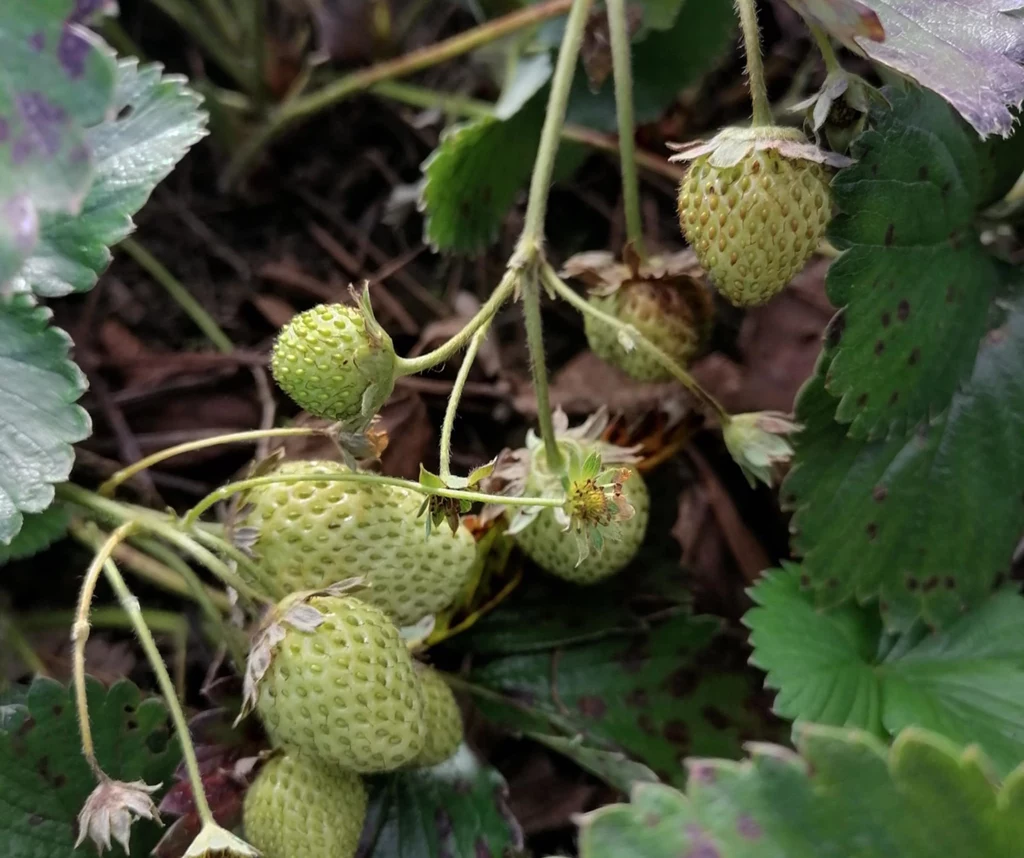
[[754, 205], [297, 806], [442, 718], [342, 688], [546, 542], [336, 362], [309, 535], [673, 313]]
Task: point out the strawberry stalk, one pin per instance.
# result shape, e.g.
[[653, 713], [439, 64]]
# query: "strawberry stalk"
[[455, 397], [755, 67], [618, 29]]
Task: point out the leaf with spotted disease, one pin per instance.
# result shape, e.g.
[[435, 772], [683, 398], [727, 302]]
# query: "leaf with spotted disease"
[[154, 121], [658, 695], [915, 283], [56, 78], [458, 809], [844, 794], [969, 51], [838, 667], [44, 780], [39, 420]]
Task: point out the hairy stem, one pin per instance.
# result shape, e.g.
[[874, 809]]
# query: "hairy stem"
[[561, 288], [824, 44], [554, 119], [454, 398], [203, 320], [192, 516], [618, 29], [344, 87], [110, 486], [539, 367], [80, 635], [504, 290], [163, 678], [755, 66]]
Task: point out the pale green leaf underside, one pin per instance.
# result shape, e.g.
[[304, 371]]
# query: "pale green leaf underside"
[[836, 667], [39, 420], [845, 795], [44, 780], [156, 119]]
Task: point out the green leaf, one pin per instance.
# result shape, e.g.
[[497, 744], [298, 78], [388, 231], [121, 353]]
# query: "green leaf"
[[475, 175], [915, 282], [664, 63], [924, 523], [965, 683], [613, 767], [39, 530], [56, 78], [846, 795], [44, 780], [455, 810], [661, 14], [657, 696], [39, 420], [154, 122]]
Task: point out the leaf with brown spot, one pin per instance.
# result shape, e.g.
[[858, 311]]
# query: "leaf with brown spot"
[[44, 780]]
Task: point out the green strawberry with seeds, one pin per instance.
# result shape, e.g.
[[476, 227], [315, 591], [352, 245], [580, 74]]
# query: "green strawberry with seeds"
[[674, 313], [330, 676], [442, 718], [297, 806], [309, 535], [754, 205], [336, 362]]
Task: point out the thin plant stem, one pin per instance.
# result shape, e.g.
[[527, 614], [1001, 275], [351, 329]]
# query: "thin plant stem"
[[472, 108], [561, 288], [163, 678], [504, 290], [219, 15], [539, 367], [12, 634], [755, 66], [448, 425], [348, 85], [554, 119], [110, 486], [80, 636], [192, 516], [150, 568], [203, 320], [618, 30], [530, 248], [155, 524], [824, 43]]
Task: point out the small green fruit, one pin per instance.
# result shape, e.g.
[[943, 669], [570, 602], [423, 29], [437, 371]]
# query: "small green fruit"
[[345, 691], [336, 362], [754, 205], [674, 313], [310, 535], [442, 718], [297, 806]]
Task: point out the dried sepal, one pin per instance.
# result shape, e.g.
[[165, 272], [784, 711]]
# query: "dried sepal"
[[440, 510], [731, 145], [216, 842], [757, 443], [110, 810], [838, 111]]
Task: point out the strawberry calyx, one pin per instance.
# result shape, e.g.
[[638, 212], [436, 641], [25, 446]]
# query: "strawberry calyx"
[[731, 145]]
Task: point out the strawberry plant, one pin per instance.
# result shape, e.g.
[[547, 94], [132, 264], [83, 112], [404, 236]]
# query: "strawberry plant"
[[366, 624]]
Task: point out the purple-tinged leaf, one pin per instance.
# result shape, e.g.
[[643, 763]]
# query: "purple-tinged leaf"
[[55, 78], [968, 51]]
